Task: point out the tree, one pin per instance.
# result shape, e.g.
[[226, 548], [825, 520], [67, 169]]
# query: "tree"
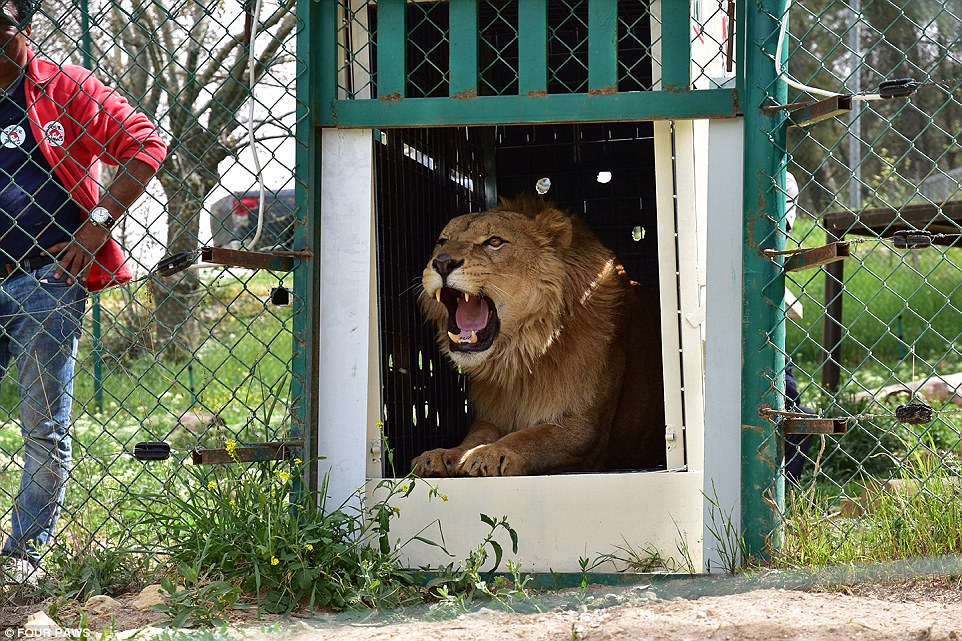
[[180, 63], [904, 141]]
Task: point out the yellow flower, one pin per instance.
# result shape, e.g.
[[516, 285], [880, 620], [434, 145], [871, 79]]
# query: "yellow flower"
[[283, 476], [233, 503], [211, 486], [274, 560], [297, 461], [404, 488], [379, 425], [444, 497], [309, 547], [231, 446]]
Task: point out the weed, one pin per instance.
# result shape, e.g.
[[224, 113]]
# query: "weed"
[[724, 530], [198, 603], [459, 584], [245, 526], [78, 572]]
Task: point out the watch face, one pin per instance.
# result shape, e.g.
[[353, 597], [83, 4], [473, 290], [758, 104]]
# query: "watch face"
[[101, 217]]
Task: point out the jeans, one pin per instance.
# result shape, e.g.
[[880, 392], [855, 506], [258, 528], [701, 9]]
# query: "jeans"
[[40, 323]]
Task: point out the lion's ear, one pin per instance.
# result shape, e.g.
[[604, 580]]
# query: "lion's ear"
[[555, 225]]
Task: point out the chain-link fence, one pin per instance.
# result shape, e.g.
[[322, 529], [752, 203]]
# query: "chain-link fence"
[[869, 188], [189, 353]]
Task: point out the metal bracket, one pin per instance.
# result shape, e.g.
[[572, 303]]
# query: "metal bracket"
[[803, 114], [809, 257], [255, 452], [278, 261], [814, 425]]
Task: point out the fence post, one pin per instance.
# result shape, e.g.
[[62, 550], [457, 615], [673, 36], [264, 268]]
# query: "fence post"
[[763, 358], [316, 82]]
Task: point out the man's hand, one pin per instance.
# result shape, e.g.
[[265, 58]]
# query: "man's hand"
[[78, 253]]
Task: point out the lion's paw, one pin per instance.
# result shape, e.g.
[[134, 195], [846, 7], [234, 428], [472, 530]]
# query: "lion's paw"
[[491, 460], [438, 462]]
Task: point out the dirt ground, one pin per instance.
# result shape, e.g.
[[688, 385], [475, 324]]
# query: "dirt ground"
[[909, 610], [912, 611]]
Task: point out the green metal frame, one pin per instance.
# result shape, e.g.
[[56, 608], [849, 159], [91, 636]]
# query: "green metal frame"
[[756, 83], [463, 106], [763, 331]]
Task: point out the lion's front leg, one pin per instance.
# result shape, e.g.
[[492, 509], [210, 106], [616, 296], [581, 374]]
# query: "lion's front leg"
[[447, 461], [546, 448]]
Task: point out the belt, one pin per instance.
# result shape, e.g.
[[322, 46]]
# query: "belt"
[[26, 265]]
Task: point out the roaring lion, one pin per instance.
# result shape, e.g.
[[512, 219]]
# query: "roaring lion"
[[562, 352]]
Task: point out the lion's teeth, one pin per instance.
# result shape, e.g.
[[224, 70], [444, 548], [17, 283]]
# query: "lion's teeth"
[[437, 294], [454, 337], [474, 338], [467, 297]]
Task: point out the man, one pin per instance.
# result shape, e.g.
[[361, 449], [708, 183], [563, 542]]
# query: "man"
[[56, 125]]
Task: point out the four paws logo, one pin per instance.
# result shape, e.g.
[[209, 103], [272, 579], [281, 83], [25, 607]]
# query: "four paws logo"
[[12, 136], [54, 133]]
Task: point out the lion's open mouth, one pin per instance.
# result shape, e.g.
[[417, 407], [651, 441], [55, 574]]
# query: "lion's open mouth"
[[472, 320]]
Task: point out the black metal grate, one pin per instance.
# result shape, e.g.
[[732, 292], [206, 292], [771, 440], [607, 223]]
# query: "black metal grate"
[[426, 177], [622, 211], [423, 178]]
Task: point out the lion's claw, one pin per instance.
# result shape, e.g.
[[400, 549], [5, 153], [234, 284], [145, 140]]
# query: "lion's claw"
[[437, 462], [491, 460]]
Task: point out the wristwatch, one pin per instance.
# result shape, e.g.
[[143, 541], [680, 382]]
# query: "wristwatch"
[[100, 217]]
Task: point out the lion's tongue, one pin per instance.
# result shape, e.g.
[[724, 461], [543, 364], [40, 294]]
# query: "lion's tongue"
[[472, 315]]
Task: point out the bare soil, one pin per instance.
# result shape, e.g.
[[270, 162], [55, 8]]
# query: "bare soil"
[[922, 610], [910, 610]]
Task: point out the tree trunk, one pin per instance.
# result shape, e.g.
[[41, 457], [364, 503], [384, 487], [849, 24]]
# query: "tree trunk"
[[176, 298]]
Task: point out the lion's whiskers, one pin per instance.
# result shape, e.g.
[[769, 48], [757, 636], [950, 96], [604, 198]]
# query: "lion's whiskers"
[[501, 291], [416, 283]]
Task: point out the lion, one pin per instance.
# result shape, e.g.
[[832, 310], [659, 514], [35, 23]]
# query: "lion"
[[562, 351]]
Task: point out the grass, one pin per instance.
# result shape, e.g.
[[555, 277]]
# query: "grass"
[[882, 286], [915, 516], [237, 386], [902, 321]]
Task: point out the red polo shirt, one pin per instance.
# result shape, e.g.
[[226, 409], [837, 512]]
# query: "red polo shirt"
[[79, 122]]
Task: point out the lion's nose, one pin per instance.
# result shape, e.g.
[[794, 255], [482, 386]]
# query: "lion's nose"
[[444, 264]]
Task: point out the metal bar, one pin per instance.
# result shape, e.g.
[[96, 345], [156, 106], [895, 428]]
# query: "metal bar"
[[463, 18], [809, 257], [250, 260], [532, 47], [799, 425], [820, 110], [98, 353], [391, 49], [252, 453], [86, 45], [536, 109], [885, 221], [763, 284], [832, 327], [317, 59], [603, 46], [316, 74], [676, 45]]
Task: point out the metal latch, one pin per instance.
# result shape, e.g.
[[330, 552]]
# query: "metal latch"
[[255, 452], [809, 257]]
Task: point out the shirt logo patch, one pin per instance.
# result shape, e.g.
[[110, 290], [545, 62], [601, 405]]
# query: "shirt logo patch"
[[54, 133], [12, 136]]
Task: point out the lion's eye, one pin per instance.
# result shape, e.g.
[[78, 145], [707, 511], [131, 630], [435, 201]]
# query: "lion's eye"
[[441, 241], [495, 241]]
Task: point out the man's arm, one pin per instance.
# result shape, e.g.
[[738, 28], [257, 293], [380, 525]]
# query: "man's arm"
[[78, 253]]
